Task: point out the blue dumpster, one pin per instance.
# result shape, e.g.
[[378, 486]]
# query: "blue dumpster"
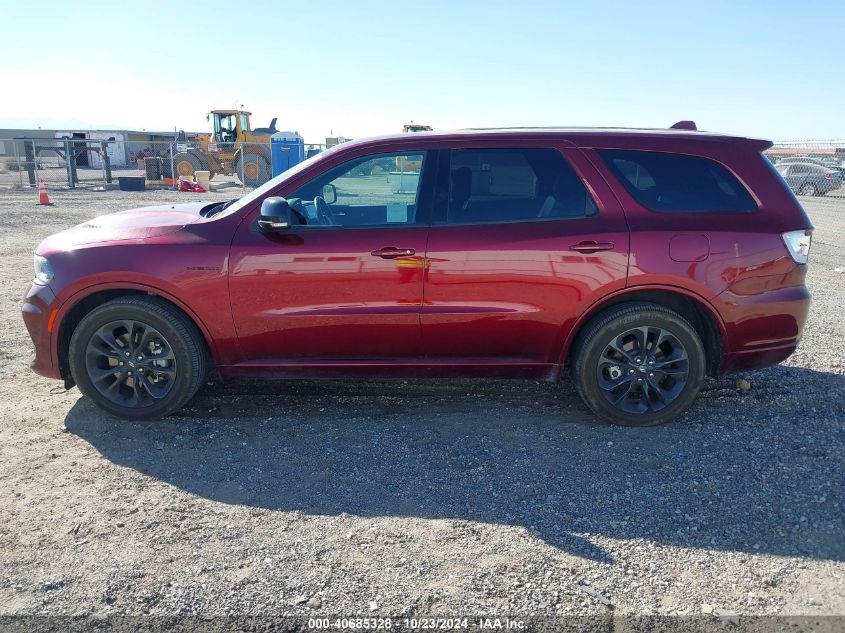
[[286, 150]]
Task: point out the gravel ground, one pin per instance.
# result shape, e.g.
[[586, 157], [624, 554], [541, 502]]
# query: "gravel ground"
[[421, 497]]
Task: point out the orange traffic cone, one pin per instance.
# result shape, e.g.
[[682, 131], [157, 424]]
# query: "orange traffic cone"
[[43, 198]]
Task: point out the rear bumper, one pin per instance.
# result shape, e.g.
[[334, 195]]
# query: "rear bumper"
[[38, 306], [744, 361], [762, 329]]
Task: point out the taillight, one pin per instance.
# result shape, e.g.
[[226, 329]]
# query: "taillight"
[[798, 245]]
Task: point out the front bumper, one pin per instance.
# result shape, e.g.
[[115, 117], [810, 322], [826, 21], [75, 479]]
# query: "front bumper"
[[38, 308]]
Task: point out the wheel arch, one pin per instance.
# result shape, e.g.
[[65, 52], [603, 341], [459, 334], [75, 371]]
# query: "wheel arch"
[[75, 308], [693, 307]]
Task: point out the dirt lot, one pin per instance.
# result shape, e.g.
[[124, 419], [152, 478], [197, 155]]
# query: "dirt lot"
[[443, 498]]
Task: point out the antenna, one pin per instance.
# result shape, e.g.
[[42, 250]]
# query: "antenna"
[[684, 125]]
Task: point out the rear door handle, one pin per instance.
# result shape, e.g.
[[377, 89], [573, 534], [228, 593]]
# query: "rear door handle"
[[391, 252], [591, 246]]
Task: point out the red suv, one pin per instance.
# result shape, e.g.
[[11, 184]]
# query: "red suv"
[[641, 260]]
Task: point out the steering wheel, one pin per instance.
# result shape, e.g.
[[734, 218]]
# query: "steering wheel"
[[324, 211]]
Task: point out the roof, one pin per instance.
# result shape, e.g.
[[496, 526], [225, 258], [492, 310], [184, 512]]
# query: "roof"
[[577, 135]]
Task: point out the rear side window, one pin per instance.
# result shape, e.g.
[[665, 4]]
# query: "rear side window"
[[678, 183], [514, 184]]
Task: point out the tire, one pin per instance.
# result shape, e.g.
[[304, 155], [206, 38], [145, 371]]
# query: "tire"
[[167, 168], [658, 388], [187, 163], [808, 189], [255, 170], [172, 352]]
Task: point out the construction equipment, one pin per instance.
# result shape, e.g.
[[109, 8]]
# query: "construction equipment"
[[404, 163], [234, 148], [413, 127]]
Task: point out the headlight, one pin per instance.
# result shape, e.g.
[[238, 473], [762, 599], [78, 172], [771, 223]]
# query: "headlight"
[[43, 270], [798, 245]]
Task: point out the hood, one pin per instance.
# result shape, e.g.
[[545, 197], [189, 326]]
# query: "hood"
[[131, 225]]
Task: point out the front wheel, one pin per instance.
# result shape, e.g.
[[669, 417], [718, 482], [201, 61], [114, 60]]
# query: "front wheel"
[[187, 163], [639, 365], [808, 189], [137, 358]]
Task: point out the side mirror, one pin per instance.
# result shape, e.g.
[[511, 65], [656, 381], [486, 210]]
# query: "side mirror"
[[329, 194], [276, 215]]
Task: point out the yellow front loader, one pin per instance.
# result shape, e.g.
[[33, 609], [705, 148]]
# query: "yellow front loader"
[[234, 148], [404, 163]]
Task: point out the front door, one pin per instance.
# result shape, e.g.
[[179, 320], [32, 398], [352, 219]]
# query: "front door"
[[518, 249], [345, 283]]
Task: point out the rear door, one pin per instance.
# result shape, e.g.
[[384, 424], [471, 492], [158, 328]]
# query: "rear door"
[[523, 240]]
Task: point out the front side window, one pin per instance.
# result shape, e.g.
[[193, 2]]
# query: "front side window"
[[224, 128], [370, 191], [679, 183], [514, 184]]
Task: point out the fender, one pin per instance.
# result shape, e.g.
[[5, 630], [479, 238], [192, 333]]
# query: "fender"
[[598, 305], [219, 355]]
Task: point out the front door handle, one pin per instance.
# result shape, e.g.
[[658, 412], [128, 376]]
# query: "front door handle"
[[391, 252], [591, 246]]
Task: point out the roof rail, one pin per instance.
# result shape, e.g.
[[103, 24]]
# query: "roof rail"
[[684, 125]]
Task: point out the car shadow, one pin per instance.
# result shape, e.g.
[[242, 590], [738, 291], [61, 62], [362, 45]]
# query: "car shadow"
[[754, 472]]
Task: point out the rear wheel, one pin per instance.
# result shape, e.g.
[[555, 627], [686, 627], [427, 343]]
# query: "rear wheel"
[[252, 169], [137, 358], [639, 365], [808, 189]]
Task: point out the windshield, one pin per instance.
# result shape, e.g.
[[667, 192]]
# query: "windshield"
[[271, 184]]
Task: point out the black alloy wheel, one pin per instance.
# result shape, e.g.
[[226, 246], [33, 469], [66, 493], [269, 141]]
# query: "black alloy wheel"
[[638, 364], [130, 363], [137, 357]]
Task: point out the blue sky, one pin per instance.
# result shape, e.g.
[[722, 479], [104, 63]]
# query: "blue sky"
[[362, 67]]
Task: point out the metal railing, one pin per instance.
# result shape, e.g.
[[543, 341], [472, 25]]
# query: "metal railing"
[[828, 157], [71, 163], [24, 162], [100, 163]]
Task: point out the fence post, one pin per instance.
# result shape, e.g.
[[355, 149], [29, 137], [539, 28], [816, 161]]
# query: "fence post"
[[243, 168], [29, 150], [73, 164], [67, 164], [173, 166], [19, 165], [70, 163], [104, 154], [102, 164]]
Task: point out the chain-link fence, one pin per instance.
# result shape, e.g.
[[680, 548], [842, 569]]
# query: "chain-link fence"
[[69, 163], [811, 168]]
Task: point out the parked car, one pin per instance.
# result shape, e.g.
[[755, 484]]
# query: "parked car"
[[800, 159], [636, 261], [809, 179]]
